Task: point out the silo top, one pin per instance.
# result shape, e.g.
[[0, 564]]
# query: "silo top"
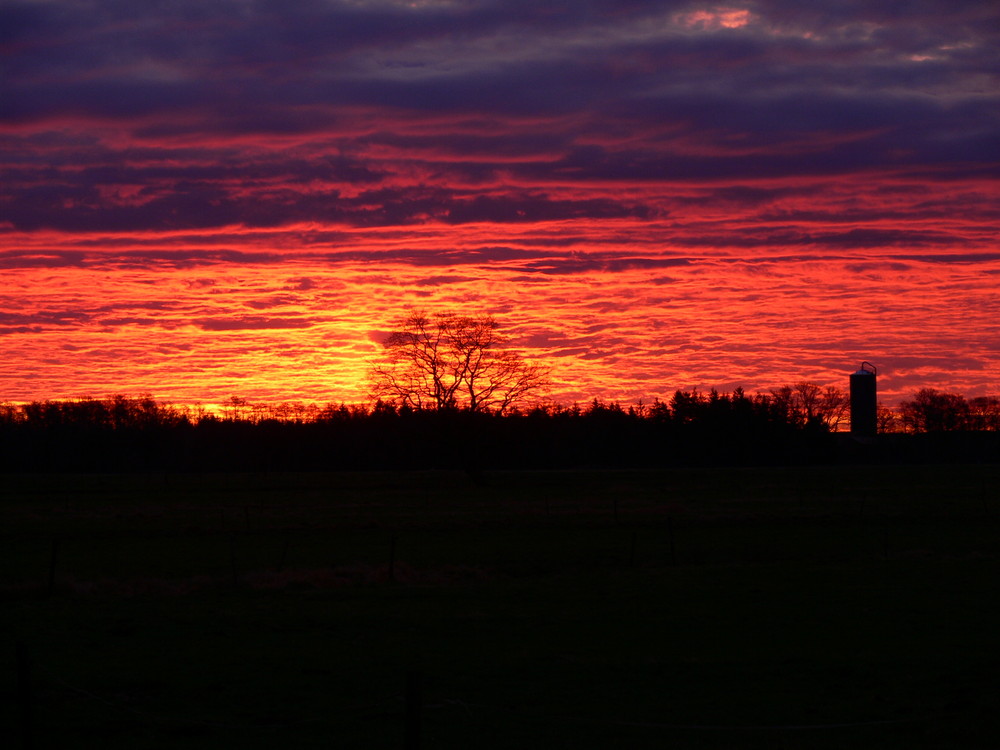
[[863, 371]]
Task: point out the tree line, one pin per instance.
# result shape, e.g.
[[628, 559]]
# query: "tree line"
[[801, 406], [792, 424], [931, 410]]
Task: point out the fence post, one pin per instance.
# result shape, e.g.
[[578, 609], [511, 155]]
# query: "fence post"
[[284, 554], [670, 537], [392, 559], [23, 666], [54, 554], [232, 560], [414, 704]]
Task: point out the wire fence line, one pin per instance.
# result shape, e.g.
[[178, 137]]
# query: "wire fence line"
[[397, 703], [720, 727], [259, 558], [163, 717]]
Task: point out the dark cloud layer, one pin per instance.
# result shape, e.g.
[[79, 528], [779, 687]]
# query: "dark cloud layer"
[[251, 323], [124, 117]]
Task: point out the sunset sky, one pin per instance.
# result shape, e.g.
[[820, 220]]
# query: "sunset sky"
[[203, 199]]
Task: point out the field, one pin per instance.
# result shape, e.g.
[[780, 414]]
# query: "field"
[[834, 607]]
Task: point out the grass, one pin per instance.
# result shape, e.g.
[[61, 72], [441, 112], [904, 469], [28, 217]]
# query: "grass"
[[809, 607]]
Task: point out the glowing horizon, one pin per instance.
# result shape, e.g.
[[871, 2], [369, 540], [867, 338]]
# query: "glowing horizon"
[[202, 202]]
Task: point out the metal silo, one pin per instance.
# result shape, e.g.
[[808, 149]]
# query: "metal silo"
[[864, 401]]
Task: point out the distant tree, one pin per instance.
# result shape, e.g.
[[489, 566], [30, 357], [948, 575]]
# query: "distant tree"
[[236, 409], [686, 406], [931, 410], [447, 361], [11, 413], [781, 403], [984, 413], [814, 404], [886, 420]]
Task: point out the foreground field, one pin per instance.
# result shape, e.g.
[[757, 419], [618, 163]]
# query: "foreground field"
[[809, 607]]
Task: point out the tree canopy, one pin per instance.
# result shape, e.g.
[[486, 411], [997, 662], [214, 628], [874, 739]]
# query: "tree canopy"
[[447, 361]]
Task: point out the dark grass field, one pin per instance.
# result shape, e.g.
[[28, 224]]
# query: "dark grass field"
[[847, 607]]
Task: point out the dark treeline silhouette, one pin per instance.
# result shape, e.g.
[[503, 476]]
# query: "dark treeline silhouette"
[[931, 410], [790, 425]]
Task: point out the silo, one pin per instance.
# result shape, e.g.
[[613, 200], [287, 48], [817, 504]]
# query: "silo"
[[864, 401]]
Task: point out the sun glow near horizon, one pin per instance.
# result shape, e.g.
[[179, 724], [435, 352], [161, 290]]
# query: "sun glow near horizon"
[[198, 326]]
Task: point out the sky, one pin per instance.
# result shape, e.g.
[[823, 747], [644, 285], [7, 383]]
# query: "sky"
[[239, 197]]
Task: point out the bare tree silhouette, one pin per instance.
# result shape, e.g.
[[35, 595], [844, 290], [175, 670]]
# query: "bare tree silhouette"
[[447, 361]]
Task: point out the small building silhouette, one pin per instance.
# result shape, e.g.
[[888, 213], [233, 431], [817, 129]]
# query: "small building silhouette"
[[864, 401]]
